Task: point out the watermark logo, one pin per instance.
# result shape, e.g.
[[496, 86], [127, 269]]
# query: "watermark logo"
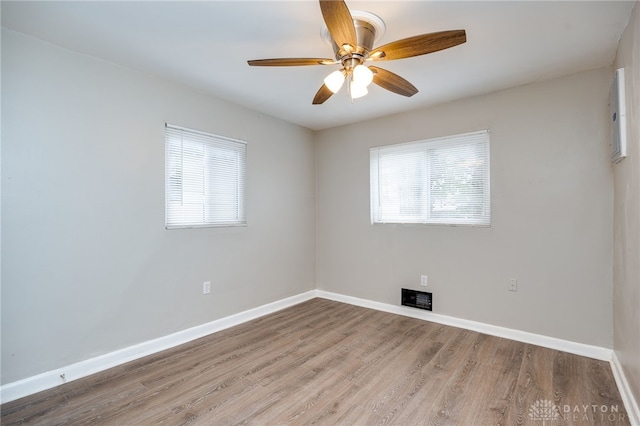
[[544, 410]]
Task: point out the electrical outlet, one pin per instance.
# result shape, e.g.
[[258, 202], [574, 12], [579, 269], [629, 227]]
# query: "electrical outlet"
[[423, 280], [513, 285], [206, 287]]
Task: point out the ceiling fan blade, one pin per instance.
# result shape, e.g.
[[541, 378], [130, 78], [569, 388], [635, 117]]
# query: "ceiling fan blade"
[[392, 82], [339, 22], [290, 62], [419, 45], [323, 94]]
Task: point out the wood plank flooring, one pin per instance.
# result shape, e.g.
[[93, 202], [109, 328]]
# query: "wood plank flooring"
[[329, 363]]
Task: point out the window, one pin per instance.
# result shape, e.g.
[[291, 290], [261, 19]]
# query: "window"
[[205, 179], [439, 181]]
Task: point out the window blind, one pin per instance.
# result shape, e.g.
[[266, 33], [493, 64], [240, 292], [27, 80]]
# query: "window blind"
[[440, 181], [205, 179]]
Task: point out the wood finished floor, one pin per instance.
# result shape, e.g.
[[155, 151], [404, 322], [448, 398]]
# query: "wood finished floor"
[[324, 362]]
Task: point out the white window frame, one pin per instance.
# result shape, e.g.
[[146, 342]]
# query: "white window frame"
[[404, 191], [205, 179]]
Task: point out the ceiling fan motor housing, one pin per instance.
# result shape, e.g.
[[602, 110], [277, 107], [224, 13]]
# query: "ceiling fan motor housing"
[[369, 28]]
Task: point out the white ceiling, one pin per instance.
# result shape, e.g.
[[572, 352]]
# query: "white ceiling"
[[205, 44]]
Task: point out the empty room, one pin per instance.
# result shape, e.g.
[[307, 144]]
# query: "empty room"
[[320, 212]]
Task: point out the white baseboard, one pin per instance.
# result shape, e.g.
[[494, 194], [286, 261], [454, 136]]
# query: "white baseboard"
[[590, 351], [53, 378], [630, 404], [596, 352], [50, 379]]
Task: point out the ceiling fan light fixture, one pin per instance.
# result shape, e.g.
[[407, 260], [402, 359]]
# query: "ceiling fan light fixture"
[[334, 81], [362, 75], [357, 90]]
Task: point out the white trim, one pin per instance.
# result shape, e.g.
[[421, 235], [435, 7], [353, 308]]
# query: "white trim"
[[50, 379], [53, 378], [630, 404], [590, 351]]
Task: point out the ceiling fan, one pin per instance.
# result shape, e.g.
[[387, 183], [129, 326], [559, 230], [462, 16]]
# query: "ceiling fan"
[[352, 35]]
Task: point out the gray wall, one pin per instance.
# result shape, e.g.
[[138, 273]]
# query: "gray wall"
[[87, 266], [626, 260], [551, 184]]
